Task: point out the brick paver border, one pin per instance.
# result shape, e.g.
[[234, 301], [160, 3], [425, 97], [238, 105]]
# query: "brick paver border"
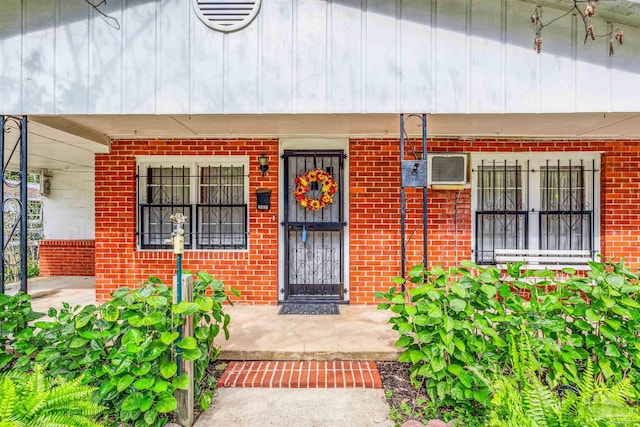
[[301, 374]]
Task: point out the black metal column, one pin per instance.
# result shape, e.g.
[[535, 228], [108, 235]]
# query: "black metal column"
[[11, 126], [403, 249], [424, 194], [2, 240], [418, 159], [24, 204]]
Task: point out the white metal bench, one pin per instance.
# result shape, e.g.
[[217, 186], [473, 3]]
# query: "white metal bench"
[[537, 259]]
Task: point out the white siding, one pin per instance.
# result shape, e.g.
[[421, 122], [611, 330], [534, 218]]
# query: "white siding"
[[140, 36], [69, 211], [309, 56], [10, 55], [71, 92]]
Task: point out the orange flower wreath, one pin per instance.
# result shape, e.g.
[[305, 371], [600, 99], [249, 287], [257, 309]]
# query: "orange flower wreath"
[[329, 188]]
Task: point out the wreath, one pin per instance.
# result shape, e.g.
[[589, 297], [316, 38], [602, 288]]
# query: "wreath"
[[329, 188]]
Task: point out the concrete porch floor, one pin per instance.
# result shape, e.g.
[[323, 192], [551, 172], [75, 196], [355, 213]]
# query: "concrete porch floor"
[[257, 332], [359, 332], [51, 292]]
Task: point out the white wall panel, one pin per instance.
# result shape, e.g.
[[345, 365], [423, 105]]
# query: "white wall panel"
[[415, 63], [277, 56], [105, 61], [557, 71], [486, 89], [311, 51], [522, 82], [173, 57], [451, 57], [380, 56], [242, 69], [10, 57], [207, 68], [592, 71], [38, 56], [139, 46], [346, 74], [625, 72], [69, 211], [71, 58], [308, 56]]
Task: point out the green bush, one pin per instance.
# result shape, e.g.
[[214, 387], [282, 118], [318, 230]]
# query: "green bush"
[[16, 331], [523, 400], [33, 269], [449, 320], [127, 347], [35, 400]]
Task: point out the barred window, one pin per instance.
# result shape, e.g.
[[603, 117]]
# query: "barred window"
[[501, 217], [535, 201], [213, 197], [565, 212]]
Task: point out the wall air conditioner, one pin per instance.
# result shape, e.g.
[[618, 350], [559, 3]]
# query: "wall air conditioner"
[[448, 169]]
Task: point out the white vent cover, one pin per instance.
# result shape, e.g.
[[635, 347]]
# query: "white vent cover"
[[447, 168], [227, 15]]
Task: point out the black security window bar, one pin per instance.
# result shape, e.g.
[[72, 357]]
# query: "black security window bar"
[[566, 213], [501, 216], [216, 215], [222, 208], [557, 215]]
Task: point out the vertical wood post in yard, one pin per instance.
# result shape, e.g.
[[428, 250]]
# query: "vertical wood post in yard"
[[185, 398]]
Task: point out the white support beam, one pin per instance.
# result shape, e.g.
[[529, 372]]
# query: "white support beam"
[[73, 128]]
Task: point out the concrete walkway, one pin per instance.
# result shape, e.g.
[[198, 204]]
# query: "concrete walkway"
[[358, 333], [256, 407]]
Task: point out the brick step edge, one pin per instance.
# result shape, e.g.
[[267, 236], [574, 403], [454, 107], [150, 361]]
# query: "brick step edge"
[[301, 374]]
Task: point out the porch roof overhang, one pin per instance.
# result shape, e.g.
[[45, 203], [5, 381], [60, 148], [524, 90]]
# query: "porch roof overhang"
[[70, 141]]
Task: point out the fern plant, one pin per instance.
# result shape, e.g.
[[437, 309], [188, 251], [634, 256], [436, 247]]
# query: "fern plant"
[[34, 400], [522, 400]]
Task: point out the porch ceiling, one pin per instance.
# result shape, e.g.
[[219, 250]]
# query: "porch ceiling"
[[55, 144], [582, 125], [69, 142]]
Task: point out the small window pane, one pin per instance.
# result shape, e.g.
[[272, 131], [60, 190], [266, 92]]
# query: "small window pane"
[[565, 218], [501, 217]]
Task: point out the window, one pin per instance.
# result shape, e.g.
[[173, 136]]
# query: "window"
[[535, 201], [212, 195]]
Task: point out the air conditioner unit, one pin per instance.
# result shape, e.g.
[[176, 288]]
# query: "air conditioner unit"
[[448, 169]]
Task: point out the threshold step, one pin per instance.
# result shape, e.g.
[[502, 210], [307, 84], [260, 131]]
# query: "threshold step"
[[301, 374]]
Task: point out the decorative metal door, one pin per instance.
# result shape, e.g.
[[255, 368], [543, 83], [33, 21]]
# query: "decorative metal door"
[[314, 225]]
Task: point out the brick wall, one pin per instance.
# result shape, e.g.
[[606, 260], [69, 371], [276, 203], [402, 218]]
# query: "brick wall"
[[67, 257], [374, 221], [118, 263], [375, 207], [374, 213]]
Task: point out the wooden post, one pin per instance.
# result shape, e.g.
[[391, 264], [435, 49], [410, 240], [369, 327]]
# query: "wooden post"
[[185, 398]]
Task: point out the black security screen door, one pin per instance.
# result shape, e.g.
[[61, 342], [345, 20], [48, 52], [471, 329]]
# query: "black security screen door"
[[314, 234]]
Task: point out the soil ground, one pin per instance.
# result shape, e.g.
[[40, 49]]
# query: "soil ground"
[[403, 397]]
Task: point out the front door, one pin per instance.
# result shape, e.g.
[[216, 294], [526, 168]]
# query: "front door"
[[314, 225]]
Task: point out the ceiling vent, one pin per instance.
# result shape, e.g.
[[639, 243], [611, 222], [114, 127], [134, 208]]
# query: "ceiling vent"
[[227, 15]]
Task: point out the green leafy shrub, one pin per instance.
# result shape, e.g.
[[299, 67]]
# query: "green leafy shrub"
[[448, 320], [34, 400], [127, 347], [33, 269], [523, 400], [16, 333]]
